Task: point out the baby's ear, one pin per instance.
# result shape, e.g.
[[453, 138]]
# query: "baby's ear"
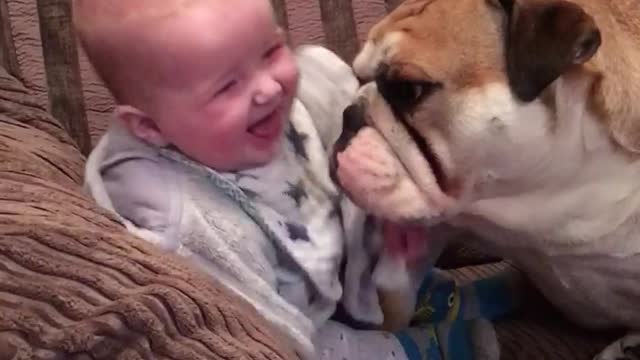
[[140, 125]]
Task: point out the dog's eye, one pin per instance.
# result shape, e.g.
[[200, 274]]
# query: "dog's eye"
[[408, 90], [404, 94], [417, 90], [402, 89]]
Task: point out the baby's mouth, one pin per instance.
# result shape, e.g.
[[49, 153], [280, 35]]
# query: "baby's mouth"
[[269, 126]]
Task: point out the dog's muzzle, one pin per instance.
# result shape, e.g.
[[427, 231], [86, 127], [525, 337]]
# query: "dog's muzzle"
[[353, 119]]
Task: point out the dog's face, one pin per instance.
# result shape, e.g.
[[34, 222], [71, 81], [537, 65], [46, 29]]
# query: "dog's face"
[[463, 102]]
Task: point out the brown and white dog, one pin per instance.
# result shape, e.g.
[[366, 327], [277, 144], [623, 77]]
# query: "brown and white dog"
[[517, 119]]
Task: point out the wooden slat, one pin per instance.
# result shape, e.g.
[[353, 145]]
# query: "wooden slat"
[[280, 9], [339, 27], [63, 70], [392, 4], [8, 58]]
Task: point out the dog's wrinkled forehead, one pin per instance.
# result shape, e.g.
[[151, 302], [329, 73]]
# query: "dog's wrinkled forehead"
[[459, 43], [470, 43]]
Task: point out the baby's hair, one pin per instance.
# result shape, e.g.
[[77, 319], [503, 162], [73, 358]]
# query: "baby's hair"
[[103, 25], [120, 39], [97, 11]]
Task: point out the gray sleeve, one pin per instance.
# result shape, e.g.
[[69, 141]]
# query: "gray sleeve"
[[327, 85], [145, 194]]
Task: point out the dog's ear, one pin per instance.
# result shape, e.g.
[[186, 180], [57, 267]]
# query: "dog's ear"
[[544, 38]]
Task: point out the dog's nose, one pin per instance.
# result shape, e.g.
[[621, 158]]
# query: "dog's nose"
[[353, 119], [362, 79]]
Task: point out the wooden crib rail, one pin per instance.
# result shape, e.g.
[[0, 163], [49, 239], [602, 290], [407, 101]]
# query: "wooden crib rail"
[[8, 58], [63, 70], [62, 83]]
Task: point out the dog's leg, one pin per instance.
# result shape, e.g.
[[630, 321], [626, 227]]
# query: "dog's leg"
[[626, 348]]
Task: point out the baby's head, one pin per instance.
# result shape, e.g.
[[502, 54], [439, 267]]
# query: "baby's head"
[[213, 78]]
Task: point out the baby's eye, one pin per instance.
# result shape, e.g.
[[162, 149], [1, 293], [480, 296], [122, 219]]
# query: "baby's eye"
[[227, 86], [272, 50]]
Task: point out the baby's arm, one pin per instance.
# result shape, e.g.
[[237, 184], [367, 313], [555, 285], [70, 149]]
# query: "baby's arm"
[[327, 86], [145, 198], [151, 200]]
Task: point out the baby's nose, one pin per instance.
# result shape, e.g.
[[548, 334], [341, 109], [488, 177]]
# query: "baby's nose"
[[268, 89]]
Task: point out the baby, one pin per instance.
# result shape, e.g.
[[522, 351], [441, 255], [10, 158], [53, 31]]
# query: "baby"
[[217, 151]]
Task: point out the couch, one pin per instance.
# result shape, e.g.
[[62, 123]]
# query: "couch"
[[75, 285]]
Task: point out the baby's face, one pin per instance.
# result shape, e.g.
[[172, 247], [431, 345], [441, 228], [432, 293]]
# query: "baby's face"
[[229, 87]]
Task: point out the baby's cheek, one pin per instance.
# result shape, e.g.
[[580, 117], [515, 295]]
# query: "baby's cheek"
[[287, 71]]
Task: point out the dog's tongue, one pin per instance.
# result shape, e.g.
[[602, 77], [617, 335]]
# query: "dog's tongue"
[[409, 242]]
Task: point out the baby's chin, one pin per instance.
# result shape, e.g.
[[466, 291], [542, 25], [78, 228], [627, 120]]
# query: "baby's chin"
[[263, 155], [243, 157]]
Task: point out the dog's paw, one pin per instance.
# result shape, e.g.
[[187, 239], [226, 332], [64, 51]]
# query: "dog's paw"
[[627, 348]]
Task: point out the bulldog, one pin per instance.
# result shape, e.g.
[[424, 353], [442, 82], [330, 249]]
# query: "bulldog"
[[518, 120]]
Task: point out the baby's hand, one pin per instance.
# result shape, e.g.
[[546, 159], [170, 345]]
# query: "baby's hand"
[[408, 242]]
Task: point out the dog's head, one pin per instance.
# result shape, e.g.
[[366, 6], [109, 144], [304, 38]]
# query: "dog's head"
[[473, 99]]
